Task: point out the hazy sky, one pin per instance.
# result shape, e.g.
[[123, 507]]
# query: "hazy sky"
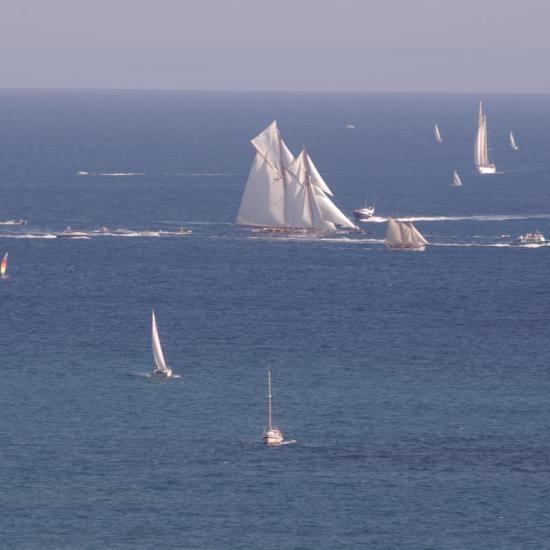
[[371, 45]]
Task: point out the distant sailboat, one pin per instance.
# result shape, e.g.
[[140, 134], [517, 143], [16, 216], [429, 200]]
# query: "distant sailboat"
[[272, 436], [437, 134], [4, 266], [513, 144], [404, 236], [481, 150], [286, 193], [161, 368], [457, 182]]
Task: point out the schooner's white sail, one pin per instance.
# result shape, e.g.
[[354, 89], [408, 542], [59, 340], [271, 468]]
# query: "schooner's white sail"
[[437, 134], [481, 149], [161, 366], [513, 144], [457, 182], [284, 192], [404, 236]]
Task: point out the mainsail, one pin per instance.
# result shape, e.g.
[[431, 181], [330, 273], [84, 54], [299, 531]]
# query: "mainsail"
[[437, 134], [403, 235], [4, 265], [481, 149], [456, 179], [513, 144], [160, 362], [283, 191]]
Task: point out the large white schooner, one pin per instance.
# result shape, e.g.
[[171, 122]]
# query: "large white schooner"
[[404, 236], [481, 149], [287, 193]]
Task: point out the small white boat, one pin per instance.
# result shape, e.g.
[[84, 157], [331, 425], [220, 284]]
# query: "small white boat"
[[71, 234], [457, 182], [365, 213], [272, 436], [437, 134], [4, 267], [531, 240], [14, 222], [161, 368], [481, 149], [404, 236], [350, 126], [513, 144], [180, 232]]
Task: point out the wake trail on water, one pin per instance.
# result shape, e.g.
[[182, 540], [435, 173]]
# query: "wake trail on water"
[[476, 218]]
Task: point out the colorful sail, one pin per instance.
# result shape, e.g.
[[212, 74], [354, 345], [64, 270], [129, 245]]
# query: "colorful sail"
[[4, 265]]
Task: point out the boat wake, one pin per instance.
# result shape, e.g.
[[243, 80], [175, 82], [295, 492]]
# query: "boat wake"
[[150, 376], [109, 174], [476, 218]]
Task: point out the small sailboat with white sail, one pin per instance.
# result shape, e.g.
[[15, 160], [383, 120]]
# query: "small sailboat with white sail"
[[513, 143], [481, 149], [4, 267], [272, 436], [286, 194], [437, 134], [404, 236], [161, 368], [457, 182]]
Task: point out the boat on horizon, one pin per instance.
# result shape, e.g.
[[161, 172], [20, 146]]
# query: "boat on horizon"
[[437, 134], [287, 194], [404, 236], [4, 267], [534, 239], [457, 182], [161, 368], [513, 143], [481, 149], [272, 435]]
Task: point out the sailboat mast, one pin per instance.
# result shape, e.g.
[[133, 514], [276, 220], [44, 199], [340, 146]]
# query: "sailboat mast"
[[269, 423], [282, 167]]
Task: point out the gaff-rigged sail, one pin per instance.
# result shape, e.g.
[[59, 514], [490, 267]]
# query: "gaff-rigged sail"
[[403, 235], [481, 149]]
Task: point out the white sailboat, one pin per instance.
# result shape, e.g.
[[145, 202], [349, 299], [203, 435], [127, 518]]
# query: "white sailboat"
[[286, 193], [513, 144], [4, 267], [457, 182], [272, 436], [161, 368], [404, 236], [437, 134], [481, 149]]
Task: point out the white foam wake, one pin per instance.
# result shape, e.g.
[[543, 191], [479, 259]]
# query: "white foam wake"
[[477, 218]]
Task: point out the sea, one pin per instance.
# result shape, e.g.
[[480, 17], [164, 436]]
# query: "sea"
[[416, 384]]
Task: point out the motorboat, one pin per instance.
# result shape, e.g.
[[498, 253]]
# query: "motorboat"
[[531, 240]]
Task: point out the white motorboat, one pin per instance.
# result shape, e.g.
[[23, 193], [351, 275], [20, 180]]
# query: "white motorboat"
[[364, 214], [531, 240]]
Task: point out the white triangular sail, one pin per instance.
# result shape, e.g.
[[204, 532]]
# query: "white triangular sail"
[[263, 202], [160, 362], [481, 149], [456, 179], [437, 134], [513, 144], [417, 237], [4, 265]]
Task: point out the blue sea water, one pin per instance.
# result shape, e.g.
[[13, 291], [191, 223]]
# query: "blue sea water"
[[416, 384]]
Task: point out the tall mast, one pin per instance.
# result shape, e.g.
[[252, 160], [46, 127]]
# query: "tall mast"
[[269, 427], [283, 167], [308, 182]]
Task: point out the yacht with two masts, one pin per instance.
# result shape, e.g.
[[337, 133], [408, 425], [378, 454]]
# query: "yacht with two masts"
[[284, 193], [404, 236], [481, 149]]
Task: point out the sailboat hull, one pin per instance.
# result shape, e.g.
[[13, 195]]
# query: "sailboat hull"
[[490, 169], [412, 248]]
